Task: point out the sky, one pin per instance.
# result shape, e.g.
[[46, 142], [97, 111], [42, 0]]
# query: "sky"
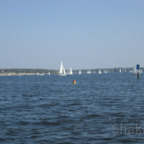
[[84, 34]]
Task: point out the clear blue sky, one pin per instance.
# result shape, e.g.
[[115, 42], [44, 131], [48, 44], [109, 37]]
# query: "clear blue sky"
[[82, 33]]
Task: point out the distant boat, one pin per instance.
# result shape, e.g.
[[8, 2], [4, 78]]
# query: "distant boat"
[[99, 72], [105, 71], [79, 72], [125, 70], [134, 71], [88, 72], [120, 70], [140, 71], [70, 72], [42, 74], [62, 71], [49, 73]]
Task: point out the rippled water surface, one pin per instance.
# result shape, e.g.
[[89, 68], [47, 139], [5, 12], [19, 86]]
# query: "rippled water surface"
[[106, 108]]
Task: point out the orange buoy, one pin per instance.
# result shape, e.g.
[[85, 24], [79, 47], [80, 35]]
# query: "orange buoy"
[[74, 81]]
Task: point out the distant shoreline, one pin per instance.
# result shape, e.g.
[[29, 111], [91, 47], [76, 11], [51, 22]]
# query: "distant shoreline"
[[27, 71], [16, 74]]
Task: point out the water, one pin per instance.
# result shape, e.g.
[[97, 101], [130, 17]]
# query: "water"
[[99, 109]]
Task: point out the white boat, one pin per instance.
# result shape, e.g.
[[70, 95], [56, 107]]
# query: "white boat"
[[99, 72], [49, 73], [140, 71], [38, 73], [70, 72], [134, 71], [105, 71], [88, 72], [120, 70], [79, 72], [42, 74], [62, 71]]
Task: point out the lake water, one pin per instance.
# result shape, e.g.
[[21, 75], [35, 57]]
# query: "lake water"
[[99, 109]]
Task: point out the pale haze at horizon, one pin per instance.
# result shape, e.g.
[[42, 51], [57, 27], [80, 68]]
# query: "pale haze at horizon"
[[82, 33]]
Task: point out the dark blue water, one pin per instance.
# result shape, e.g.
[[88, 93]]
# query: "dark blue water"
[[99, 109]]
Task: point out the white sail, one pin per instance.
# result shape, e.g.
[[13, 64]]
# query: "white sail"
[[135, 71], [79, 72], [140, 71], [62, 71], [99, 72], [61, 68], [89, 72], [70, 72]]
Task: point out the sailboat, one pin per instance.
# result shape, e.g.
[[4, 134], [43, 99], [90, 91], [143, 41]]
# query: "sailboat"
[[70, 72], [105, 71], [79, 72], [140, 71], [99, 72], [89, 72], [134, 71], [62, 71]]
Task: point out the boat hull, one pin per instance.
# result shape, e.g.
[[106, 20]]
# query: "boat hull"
[[62, 74]]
